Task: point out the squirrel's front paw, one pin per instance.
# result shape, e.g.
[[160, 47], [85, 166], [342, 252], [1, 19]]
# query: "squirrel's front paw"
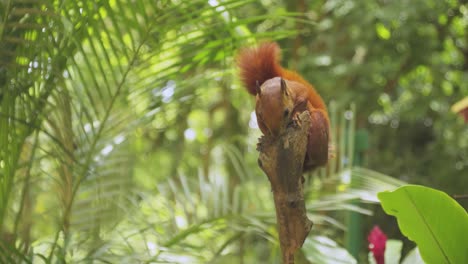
[[295, 121]]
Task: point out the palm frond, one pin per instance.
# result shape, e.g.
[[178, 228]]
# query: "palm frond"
[[83, 81]]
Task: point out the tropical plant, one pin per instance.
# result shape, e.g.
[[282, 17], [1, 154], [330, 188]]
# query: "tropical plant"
[[125, 136], [95, 96], [436, 222]]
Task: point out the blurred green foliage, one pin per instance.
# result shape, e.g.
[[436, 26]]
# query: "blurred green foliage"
[[125, 135]]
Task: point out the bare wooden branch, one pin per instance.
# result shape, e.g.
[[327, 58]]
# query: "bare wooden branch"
[[282, 159]]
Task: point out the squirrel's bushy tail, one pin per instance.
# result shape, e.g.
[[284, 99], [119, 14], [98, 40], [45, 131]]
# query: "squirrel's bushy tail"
[[259, 64]]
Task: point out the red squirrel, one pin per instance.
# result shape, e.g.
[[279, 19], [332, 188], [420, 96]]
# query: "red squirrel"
[[280, 96]]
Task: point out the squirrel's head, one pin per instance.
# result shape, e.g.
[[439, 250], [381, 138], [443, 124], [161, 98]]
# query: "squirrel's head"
[[274, 105]]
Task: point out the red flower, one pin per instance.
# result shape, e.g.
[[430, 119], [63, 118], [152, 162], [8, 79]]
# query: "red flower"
[[377, 240]]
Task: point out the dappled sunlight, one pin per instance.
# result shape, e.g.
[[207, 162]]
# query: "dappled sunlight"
[[127, 135]]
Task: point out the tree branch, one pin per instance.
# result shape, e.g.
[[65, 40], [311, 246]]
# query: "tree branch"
[[282, 160]]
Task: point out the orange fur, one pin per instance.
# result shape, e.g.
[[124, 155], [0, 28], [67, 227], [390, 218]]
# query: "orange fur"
[[275, 105], [259, 64], [262, 63]]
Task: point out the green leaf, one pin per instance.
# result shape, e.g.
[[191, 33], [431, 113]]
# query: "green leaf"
[[382, 31], [320, 249], [436, 222]]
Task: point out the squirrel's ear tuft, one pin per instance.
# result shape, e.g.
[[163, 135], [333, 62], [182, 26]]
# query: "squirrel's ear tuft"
[[284, 88], [258, 88]]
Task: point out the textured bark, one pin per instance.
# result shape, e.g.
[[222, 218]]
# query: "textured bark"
[[282, 159]]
